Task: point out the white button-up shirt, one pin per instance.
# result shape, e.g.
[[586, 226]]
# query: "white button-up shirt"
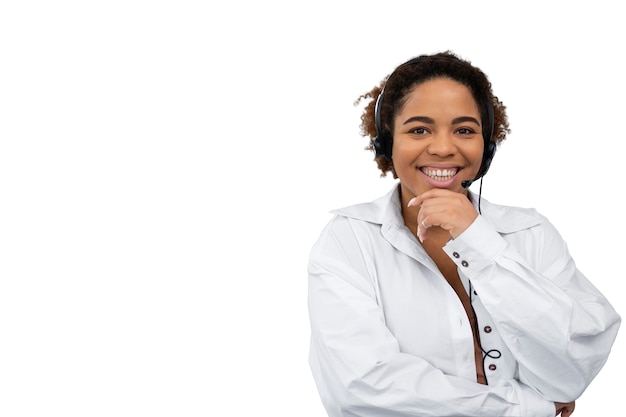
[[390, 337]]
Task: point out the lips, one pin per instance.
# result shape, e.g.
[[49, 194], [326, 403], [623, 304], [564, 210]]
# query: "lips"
[[440, 174]]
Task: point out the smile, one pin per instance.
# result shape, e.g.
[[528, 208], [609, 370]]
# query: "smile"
[[440, 174]]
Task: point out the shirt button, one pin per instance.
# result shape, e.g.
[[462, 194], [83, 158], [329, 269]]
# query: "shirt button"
[[456, 254], [464, 263], [492, 367], [487, 329]]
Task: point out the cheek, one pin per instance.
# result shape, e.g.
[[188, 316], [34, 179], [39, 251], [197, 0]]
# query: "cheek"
[[479, 157], [406, 150], [475, 153]]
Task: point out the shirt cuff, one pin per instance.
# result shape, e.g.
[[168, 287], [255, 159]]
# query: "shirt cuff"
[[476, 247]]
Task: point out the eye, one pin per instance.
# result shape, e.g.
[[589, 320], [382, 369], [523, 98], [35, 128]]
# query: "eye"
[[465, 131], [418, 131]]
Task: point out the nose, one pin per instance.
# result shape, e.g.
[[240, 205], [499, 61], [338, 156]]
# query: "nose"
[[442, 145]]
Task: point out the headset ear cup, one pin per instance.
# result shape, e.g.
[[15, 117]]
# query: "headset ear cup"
[[488, 155], [378, 148], [382, 142], [382, 146], [490, 145]]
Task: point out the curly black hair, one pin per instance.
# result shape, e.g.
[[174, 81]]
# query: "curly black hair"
[[401, 82]]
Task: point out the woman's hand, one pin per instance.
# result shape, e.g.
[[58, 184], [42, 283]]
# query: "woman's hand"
[[447, 209], [565, 409]]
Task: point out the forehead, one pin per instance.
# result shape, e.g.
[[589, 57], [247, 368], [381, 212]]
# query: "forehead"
[[439, 92]]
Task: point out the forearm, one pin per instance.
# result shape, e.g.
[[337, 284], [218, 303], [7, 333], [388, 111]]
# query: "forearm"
[[360, 370], [406, 385], [556, 324]]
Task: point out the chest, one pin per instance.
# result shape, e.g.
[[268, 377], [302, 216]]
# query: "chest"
[[419, 296], [447, 268]]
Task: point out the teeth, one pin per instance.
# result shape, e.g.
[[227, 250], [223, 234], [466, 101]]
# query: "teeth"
[[440, 174]]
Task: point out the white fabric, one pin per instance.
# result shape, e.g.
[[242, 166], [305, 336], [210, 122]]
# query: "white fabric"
[[390, 337]]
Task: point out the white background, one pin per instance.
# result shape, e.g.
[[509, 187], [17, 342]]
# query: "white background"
[[165, 167]]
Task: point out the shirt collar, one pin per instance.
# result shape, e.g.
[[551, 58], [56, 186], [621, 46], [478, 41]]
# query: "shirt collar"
[[386, 210]]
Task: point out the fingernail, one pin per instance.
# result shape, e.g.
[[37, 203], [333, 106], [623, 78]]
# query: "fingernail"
[[411, 202]]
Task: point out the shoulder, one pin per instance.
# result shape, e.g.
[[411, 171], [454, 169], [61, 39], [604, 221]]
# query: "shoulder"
[[359, 224], [511, 219], [374, 211], [523, 226]]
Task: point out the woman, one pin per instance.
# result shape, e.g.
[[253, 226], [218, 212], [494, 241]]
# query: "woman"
[[431, 301]]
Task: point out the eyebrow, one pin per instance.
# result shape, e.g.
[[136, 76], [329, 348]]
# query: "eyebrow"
[[430, 120], [465, 119], [422, 119]]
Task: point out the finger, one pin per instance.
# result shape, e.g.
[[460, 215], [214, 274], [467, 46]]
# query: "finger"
[[421, 234], [422, 231], [434, 193], [566, 410]]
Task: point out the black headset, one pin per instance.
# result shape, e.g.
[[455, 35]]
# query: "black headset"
[[383, 141]]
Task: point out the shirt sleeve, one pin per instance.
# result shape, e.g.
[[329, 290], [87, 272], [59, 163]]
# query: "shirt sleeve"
[[358, 366], [558, 326]]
